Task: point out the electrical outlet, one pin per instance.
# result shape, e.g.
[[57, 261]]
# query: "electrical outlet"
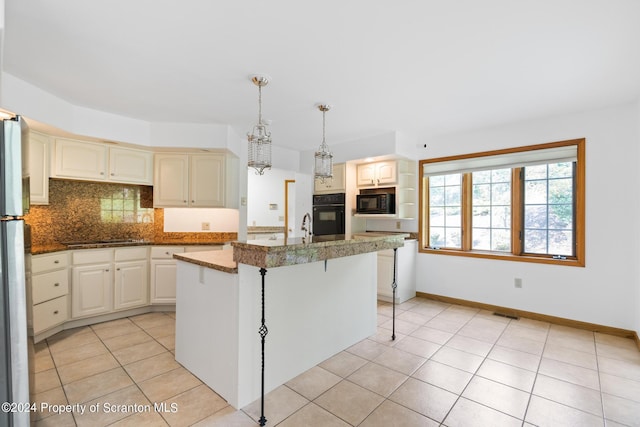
[[206, 226], [517, 282], [398, 225]]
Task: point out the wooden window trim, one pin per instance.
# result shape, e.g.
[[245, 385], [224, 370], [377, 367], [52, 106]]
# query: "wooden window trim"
[[516, 215]]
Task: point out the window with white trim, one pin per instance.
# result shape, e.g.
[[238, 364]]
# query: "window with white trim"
[[524, 203]]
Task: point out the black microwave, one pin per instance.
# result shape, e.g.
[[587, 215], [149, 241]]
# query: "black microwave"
[[376, 203]]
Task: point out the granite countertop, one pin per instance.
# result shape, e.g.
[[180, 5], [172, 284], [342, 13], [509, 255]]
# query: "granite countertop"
[[265, 229], [57, 247], [283, 252], [217, 260]]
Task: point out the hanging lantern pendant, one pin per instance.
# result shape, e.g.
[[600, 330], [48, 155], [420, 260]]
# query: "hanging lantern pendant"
[[323, 169], [259, 152]]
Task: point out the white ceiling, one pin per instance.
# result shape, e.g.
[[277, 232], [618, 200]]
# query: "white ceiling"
[[424, 67]]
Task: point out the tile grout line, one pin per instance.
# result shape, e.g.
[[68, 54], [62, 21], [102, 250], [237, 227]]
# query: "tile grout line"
[[526, 411], [475, 372]]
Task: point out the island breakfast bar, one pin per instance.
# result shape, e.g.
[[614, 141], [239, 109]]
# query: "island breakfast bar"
[[312, 299]]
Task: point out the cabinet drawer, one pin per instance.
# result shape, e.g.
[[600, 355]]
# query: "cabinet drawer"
[[92, 256], [48, 286], [50, 313], [40, 263], [131, 254], [165, 252]]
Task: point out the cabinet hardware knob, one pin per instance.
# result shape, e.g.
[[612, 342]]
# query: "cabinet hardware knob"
[[107, 270], [117, 269], [56, 261], [193, 201], [167, 253], [56, 284], [101, 173], [184, 201], [113, 174], [55, 312]]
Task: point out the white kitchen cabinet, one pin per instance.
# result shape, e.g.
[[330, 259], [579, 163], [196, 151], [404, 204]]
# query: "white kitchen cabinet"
[[130, 165], [91, 282], [39, 168], [405, 273], [163, 274], [95, 161], [189, 180], [207, 182], [398, 175], [80, 160], [376, 174], [333, 185], [131, 285], [171, 180], [91, 290], [49, 291]]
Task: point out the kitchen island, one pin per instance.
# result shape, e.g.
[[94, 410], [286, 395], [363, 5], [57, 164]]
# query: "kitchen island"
[[303, 301]]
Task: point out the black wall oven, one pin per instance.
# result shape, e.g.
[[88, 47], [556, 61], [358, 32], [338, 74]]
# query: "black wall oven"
[[328, 214]]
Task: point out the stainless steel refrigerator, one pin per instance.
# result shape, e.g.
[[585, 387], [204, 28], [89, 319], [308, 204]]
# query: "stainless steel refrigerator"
[[14, 203]]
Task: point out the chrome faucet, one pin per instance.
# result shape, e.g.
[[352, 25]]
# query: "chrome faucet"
[[307, 231]]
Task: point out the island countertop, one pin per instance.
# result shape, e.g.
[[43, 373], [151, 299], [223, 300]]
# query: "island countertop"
[[283, 252], [218, 260]]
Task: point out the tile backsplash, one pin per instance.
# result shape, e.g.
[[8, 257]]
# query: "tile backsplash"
[[80, 210]]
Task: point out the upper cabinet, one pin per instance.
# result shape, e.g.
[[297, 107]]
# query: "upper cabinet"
[[80, 160], [39, 168], [336, 184], [130, 165], [375, 174], [94, 161], [400, 176], [191, 180]]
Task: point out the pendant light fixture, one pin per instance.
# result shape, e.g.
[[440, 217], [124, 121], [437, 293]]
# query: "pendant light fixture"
[[324, 159], [259, 138]]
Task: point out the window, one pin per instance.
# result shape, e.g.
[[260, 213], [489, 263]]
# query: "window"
[[123, 206], [524, 204]]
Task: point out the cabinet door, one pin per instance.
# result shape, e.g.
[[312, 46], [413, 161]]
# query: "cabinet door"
[[39, 168], [366, 174], [131, 285], [386, 173], [171, 180], [82, 160], [91, 290], [127, 165], [207, 180], [385, 274], [163, 282]]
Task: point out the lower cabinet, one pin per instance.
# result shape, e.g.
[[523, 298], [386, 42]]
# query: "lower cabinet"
[[48, 294], [405, 273], [82, 283], [91, 290], [104, 280], [163, 274], [130, 285], [91, 282]]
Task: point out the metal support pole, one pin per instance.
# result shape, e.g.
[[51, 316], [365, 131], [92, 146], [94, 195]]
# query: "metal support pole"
[[263, 331], [394, 285]]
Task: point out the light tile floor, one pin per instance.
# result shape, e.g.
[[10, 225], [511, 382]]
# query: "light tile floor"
[[449, 365]]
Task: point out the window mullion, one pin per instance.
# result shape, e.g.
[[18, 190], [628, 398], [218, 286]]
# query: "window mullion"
[[466, 211], [517, 207]]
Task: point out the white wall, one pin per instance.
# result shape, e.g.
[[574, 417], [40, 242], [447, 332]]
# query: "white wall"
[[34, 103], [263, 191], [187, 220], [604, 292]]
